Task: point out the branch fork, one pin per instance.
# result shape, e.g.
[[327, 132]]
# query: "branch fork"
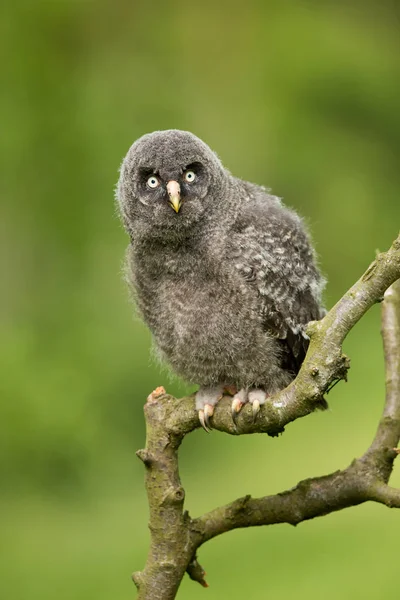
[[176, 538]]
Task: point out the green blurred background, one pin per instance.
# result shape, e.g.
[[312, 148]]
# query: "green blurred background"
[[300, 96]]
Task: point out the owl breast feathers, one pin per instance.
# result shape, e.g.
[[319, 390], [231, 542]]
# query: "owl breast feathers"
[[222, 273]]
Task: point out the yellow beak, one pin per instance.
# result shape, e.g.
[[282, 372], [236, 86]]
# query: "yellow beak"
[[174, 193], [175, 202]]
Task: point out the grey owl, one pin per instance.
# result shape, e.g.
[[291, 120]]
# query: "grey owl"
[[222, 273]]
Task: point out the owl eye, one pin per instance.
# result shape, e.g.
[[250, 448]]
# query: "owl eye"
[[189, 176], [153, 182]]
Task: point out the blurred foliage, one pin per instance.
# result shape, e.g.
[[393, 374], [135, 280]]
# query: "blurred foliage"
[[300, 96]]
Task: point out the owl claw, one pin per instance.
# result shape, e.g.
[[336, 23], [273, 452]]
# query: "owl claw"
[[235, 409], [239, 399], [256, 398], [204, 417], [202, 420], [256, 409], [206, 399], [208, 412]]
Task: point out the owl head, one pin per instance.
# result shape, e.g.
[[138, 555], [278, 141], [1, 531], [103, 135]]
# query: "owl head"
[[170, 181]]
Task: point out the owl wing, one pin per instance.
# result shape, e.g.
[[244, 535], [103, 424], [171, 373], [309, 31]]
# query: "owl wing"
[[272, 252]]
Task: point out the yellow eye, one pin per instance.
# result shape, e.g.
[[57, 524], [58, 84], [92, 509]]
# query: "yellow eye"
[[189, 176], [153, 182]]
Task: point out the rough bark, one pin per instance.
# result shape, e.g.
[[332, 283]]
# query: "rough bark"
[[175, 537]]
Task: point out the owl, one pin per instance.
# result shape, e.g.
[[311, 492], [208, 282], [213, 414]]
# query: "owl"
[[223, 274]]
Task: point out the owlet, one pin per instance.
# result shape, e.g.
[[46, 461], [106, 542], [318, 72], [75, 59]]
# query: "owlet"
[[223, 274]]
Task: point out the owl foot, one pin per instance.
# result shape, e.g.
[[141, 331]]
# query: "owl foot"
[[256, 397], [206, 399]]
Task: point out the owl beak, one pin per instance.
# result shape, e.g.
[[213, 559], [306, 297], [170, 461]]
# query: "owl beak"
[[174, 193]]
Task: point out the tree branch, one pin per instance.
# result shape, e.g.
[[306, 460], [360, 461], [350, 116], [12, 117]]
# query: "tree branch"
[[175, 537], [323, 365], [365, 479]]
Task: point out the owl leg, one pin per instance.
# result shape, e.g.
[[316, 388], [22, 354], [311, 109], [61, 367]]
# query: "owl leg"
[[255, 397], [206, 399]]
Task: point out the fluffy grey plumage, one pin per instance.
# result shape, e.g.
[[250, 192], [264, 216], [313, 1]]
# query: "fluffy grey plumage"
[[223, 274]]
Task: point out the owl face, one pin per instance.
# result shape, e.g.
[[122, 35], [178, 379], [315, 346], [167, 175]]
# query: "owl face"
[[168, 183], [174, 187]]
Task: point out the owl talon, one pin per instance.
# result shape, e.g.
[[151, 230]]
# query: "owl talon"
[[202, 420], [236, 408], [256, 398], [206, 398], [208, 413], [239, 399], [256, 409]]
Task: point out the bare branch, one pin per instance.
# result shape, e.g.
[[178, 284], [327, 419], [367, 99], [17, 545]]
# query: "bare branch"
[[175, 537], [391, 346], [310, 498], [388, 433], [386, 495]]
